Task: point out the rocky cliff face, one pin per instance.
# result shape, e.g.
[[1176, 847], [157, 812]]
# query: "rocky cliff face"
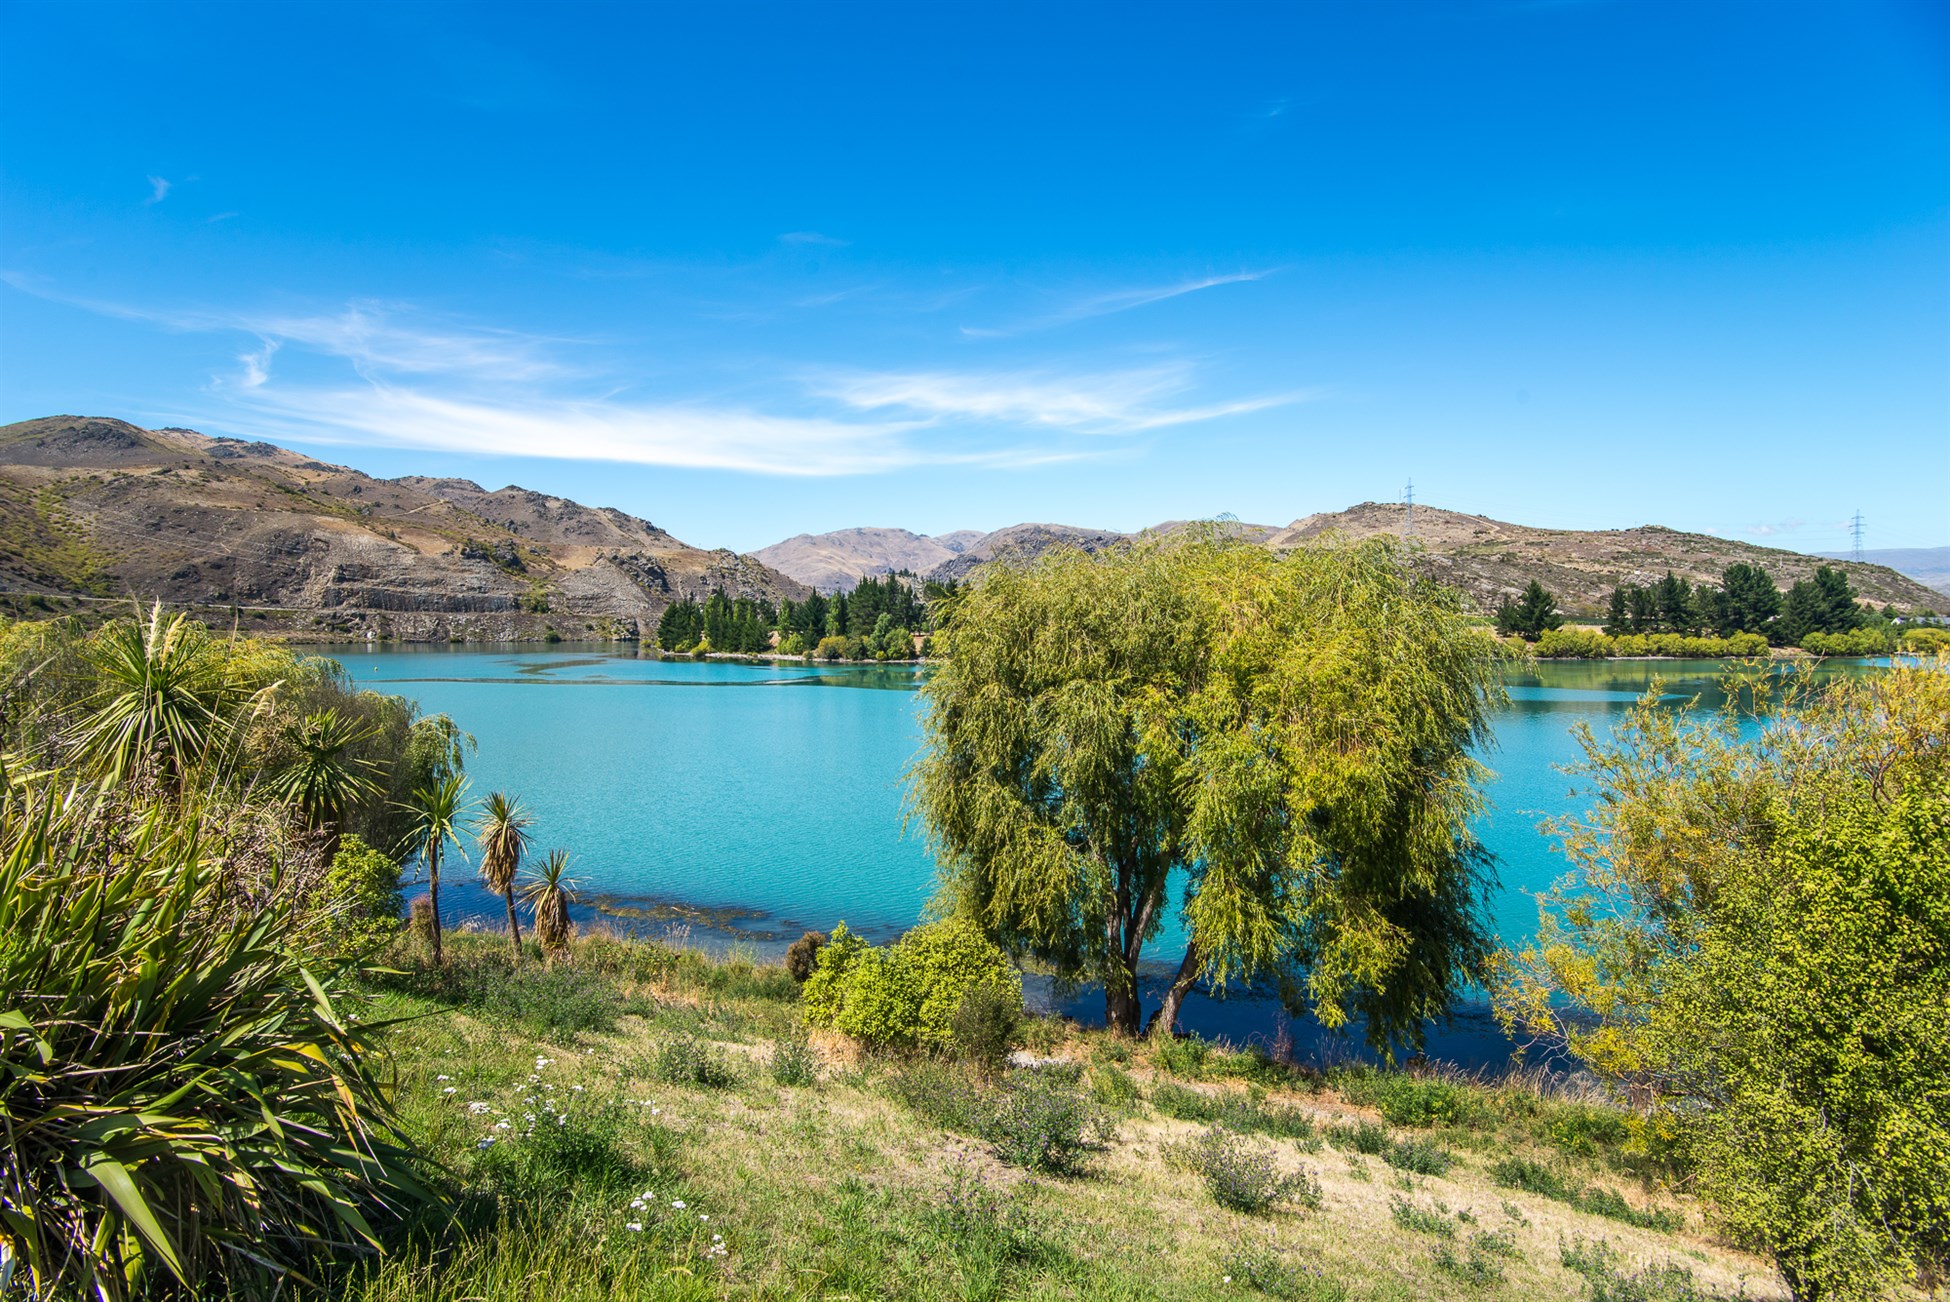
[[99, 508]]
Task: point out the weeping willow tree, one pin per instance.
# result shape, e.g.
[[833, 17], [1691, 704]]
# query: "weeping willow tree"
[[1278, 748]]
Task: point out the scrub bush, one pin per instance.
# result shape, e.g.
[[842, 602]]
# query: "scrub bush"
[[689, 1060], [1244, 1177], [803, 955], [908, 994]]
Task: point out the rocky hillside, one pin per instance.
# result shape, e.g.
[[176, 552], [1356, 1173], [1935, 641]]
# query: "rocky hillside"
[[837, 561], [1487, 559], [99, 508]]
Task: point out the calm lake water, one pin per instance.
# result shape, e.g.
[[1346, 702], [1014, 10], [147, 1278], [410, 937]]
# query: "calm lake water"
[[745, 804]]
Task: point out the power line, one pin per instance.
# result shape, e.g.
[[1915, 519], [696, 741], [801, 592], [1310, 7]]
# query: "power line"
[[1408, 511], [1855, 530]]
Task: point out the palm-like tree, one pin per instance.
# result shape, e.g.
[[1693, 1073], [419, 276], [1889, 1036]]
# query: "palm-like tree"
[[163, 697], [324, 780], [437, 809], [549, 891], [503, 834]]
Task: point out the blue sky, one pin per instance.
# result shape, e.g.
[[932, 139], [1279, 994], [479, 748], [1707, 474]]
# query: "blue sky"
[[755, 270]]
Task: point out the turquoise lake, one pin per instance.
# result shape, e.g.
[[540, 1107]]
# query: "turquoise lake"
[[745, 803]]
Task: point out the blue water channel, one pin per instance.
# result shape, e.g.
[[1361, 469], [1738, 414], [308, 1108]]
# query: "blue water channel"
[[740, 804]]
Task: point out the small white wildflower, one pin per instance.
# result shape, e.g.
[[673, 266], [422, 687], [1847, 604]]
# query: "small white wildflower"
[[450, 1090], [1228, 1279], [501, 1125], [576, 1088], [486, 1142], [678, 1203], [635, 1225], [717, 1238], [702, 1217], [443, 1077]]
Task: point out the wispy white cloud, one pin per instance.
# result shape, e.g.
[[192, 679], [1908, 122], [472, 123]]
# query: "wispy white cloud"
[[159, 188], [1119, 402], [257, 365], [435, 383], [1776, 529], [1119, 300], [214, 218], [813, 237], [695, 437]]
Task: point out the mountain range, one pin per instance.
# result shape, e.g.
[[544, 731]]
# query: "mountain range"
[[277, 541], [98, 510]]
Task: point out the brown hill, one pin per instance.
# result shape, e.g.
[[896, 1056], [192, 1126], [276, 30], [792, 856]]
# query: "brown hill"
[[1490, 559], [100, 508], [837, 561]]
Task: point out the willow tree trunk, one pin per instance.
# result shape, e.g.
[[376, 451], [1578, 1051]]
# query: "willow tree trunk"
[[1166, 1018]]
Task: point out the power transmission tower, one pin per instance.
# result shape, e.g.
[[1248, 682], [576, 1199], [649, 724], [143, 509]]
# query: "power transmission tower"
[[1855, 530], [1408, 511]]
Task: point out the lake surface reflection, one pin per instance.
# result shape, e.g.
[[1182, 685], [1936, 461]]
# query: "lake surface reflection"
[[746, 803]]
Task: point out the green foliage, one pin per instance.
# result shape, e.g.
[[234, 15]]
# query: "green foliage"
[[179, 1098], [1597, 1200], [1531, 615], [1039, 1121], [1857, 642], [802, 956], [1292, 733], [558, 1002], [1407, 1100], [1242, 1176], [1421, 1220], [1601, 1266], [361, 910], [793, 1062], [1363, 1137], [1113, 1087], [1582, 644], [1239, 1111], [1421, 1156], [985, 1023], [1278, 1276], [909, 994], [1758, 939], [693, 1060], [1823, 604], [1183, 1055], [166, 699]]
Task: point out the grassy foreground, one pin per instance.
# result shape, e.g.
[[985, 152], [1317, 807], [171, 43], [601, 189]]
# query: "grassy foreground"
[[645, 1123]]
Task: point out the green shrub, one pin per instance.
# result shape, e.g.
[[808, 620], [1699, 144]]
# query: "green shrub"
[[692, 1060], [1597, 1200], [988, 1225], [559, 1152], [560, 1001], [1600, 1265], [1275, 1276], [1473, 1267], [793, 1061], [802, 956], [908, 995], [1244, 1177], [1421, 1220], [1855, 642], [1572, 644], [1421, 1156], [1038, 1120], [1365, 1137], [361, 905], [1184, 1055], [1048, 1125], [1925, 640], [984, 1027], [178, 1097], [1240, 1111], [1113, 1087]]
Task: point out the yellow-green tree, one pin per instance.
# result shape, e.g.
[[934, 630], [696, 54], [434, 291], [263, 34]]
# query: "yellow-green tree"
[[1756, 941], [1277, 748]]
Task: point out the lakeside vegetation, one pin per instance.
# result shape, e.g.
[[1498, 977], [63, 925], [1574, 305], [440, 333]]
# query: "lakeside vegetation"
[[1746, 616], [229, 1067]]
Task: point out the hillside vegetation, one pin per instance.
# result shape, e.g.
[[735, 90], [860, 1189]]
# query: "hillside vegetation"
[[279, 542]]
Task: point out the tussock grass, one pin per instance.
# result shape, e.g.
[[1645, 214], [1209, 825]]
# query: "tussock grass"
[[889, 1177]]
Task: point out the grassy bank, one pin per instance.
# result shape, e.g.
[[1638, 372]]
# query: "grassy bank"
[[645, 1123]]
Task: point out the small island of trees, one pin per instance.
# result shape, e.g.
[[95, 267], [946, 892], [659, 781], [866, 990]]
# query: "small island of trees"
[[878, 620]]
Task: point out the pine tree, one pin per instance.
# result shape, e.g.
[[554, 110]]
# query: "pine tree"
[[1618, 620]]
